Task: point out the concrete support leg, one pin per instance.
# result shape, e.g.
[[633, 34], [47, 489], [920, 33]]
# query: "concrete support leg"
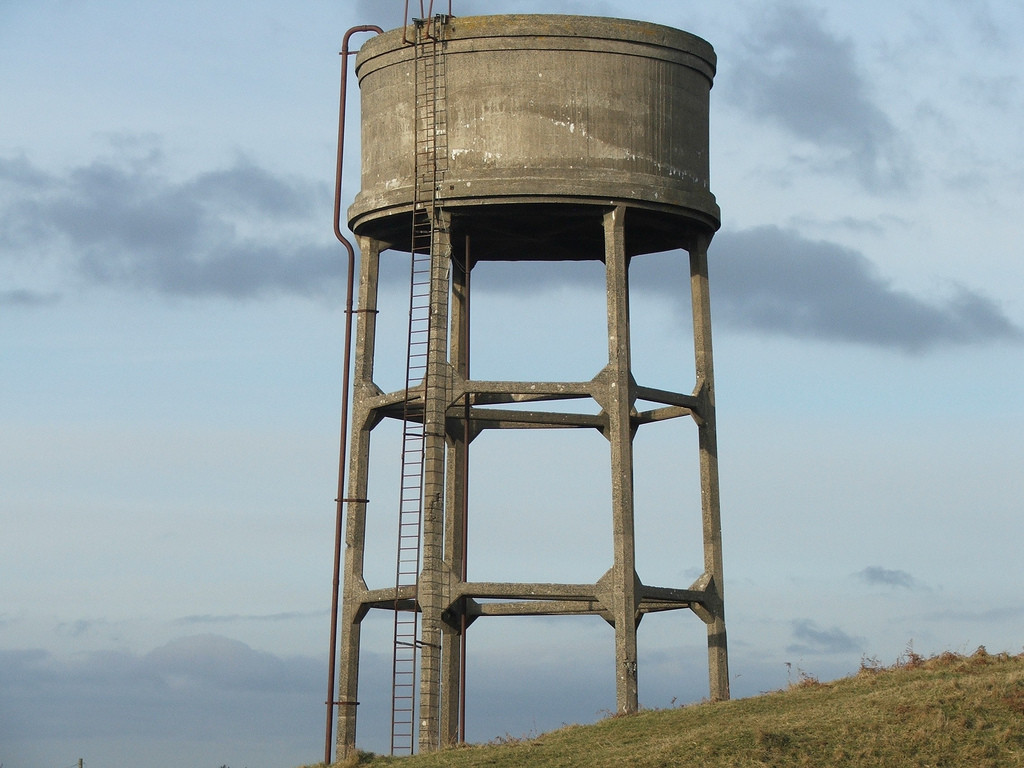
[[619, 404], [450, 667], [355, 506], [433, 591], [453, 645], [718, 659]]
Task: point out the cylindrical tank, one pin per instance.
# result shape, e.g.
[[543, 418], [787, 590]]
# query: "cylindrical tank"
[[543, 117]]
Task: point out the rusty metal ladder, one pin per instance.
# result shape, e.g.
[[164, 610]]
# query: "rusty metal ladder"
[[430, 165]]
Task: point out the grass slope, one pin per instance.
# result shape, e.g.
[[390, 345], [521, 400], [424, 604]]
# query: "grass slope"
[[949, 710]]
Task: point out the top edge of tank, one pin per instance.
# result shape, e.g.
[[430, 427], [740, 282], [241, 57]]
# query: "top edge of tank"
[[554, 25]]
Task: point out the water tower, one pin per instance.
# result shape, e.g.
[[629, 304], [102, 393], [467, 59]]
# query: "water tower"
[[514, 137]]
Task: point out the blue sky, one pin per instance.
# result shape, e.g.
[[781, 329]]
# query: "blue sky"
[[170, 343]]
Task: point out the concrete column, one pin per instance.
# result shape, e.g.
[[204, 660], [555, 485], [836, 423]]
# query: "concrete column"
[[355, 518], [432, 590], [718, 660], [619, 404], [453, 643]]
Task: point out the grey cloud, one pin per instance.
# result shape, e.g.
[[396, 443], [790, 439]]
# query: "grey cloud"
[[243, 232], [234, 618], [248, 188], [196, 685], [812, 639], [21, 297], [21, 172], [800, 76], [891, 578], [236, 270], [237, 232], [775, 281], [219, 662], [76, 628]]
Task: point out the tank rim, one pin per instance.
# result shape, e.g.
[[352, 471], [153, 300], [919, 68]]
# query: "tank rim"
[[554, 25]]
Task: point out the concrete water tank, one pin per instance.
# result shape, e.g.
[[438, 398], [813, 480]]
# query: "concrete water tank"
[[548, 111]]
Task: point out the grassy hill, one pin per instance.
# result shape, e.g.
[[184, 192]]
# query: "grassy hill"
[[949, 710]]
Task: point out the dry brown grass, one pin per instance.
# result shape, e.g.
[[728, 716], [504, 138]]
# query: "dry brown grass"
[[948, 710]]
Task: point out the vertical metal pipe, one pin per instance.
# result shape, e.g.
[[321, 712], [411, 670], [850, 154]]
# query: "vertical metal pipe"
[[423, 15], [352, 609], [466, 434], [350, 282]]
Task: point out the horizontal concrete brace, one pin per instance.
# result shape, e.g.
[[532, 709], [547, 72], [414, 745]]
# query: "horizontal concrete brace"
[[385, 598], [487, 418], [481, 393], [537, 608], [662, 414], [666, 397], [702, 598], [486, 590], [658, 607], [391, 399], [672, 595], [483, 590], [498, 392]]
